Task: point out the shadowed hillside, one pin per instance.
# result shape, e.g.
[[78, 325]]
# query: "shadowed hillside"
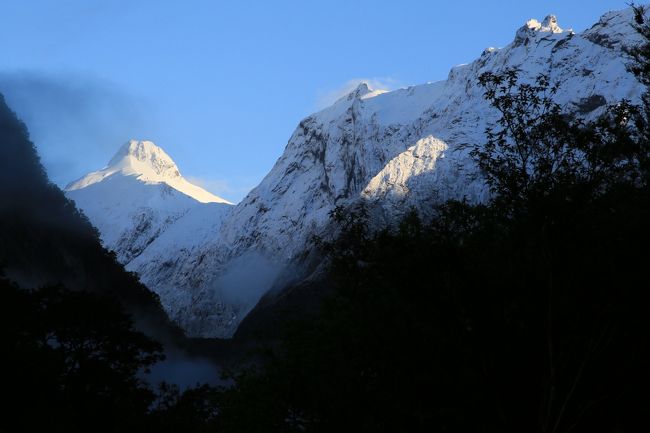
[[44, 239]]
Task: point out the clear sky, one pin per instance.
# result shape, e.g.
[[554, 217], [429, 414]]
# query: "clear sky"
[[221, 85]]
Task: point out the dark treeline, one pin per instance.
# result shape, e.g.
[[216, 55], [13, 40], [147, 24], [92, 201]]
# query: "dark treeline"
[[70, 362], [530, 313]]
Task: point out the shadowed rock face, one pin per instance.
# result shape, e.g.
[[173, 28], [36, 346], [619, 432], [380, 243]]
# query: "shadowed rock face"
[[396, 150]]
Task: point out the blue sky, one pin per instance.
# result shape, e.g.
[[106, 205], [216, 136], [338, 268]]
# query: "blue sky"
[[221, 85]]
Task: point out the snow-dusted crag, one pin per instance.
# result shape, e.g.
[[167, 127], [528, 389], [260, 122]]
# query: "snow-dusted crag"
[[408, 147]]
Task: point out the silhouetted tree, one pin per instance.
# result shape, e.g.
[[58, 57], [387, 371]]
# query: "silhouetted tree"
[[71, 361], [194, 410], [536, 148]]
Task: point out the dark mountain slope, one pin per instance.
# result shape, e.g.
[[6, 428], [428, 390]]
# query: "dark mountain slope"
[[44, 239]]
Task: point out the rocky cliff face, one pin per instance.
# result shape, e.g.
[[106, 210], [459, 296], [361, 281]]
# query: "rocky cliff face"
[[399, 149]]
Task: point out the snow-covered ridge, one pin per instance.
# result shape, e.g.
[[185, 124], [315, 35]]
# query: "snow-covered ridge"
[[410, 147], [150, 164], [393, 150]]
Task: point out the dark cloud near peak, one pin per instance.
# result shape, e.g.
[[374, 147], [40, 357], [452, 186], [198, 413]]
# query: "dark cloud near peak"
[[75, 121]]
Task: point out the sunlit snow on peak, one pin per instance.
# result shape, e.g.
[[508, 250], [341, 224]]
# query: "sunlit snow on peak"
[[149, 164]]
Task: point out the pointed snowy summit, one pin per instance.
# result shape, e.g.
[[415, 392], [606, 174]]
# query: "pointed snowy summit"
[[149, 164], [533, 28], [550, 25], [146, 159], [362, 89]]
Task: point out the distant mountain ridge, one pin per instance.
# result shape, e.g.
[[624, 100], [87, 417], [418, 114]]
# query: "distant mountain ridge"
[[392, 150]]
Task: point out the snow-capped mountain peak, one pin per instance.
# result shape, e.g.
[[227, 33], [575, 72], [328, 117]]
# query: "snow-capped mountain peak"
[[149, 164], [360, 91], [144, 158], [550, 25], [534, 28], [144, 209], [363, 90]]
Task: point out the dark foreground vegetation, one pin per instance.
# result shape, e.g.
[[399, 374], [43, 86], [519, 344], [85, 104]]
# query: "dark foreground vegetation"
[[530, 313]]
